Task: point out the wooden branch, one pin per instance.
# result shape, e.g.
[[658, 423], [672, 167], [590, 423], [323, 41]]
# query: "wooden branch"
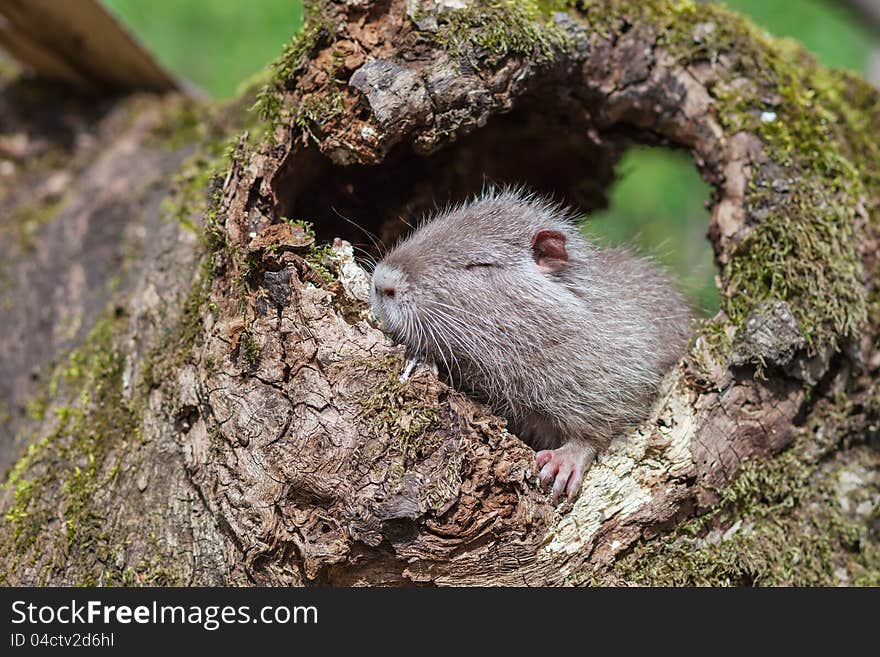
[[79, 43]]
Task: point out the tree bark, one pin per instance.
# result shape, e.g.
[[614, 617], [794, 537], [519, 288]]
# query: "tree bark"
[[242, 421]]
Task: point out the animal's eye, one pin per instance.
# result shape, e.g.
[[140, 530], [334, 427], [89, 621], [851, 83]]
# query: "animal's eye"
[[476, 265]]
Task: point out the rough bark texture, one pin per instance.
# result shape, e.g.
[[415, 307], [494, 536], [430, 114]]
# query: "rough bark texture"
[[250, 426]]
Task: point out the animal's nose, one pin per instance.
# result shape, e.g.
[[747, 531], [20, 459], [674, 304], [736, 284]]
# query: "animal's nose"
[[386, 282], [386, 291]]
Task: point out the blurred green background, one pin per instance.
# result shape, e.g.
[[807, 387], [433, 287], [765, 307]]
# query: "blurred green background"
[[659, 201], [217, 44]]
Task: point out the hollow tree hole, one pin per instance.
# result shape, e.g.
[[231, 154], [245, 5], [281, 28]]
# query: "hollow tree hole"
[[548, 153], [652, 198]]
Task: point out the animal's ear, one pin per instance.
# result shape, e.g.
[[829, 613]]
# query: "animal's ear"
[[548, 250]]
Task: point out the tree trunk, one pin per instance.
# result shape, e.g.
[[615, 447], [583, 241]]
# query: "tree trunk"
[[241, 420]]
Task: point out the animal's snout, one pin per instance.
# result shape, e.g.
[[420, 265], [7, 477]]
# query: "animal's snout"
[[386, 282]]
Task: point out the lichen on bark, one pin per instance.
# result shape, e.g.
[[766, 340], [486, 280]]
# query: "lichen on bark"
[[63, 471]]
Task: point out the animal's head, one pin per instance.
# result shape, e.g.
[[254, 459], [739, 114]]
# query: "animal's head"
[[439, 287]]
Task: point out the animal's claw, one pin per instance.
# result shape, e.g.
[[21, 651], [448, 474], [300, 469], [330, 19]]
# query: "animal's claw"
[[564, 468]]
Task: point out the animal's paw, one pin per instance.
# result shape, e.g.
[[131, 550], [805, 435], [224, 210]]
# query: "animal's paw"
[[565, 467]]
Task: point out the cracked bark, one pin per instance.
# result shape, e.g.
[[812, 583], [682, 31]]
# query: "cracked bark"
[[292, 453]]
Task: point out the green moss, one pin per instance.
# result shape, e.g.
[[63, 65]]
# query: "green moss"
[[17, 517], [154, 569], [818, 125], [307, 226], [36, 408], [807, 264], [175, 349], [781, 520], [27, 221], [270, 100], [393, 409], [250, 349], [56, 521], [805, 252], [858, 104], [778, 524], [316, 257], [192, 196], [318, 109], [495, 29], [185, 121], [408, 421], [59, 477], [8, 69], [193, 203]]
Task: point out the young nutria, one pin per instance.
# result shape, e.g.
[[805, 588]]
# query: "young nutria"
[[566, 340]]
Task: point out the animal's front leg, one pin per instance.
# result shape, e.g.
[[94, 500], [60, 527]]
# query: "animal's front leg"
[[565, 467], [408, 368], [413, 362]]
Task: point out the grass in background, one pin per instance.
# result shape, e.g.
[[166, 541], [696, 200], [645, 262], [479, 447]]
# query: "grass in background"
[[216, 44]]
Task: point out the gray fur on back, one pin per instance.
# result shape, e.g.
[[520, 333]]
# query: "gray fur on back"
[[573, 355]]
